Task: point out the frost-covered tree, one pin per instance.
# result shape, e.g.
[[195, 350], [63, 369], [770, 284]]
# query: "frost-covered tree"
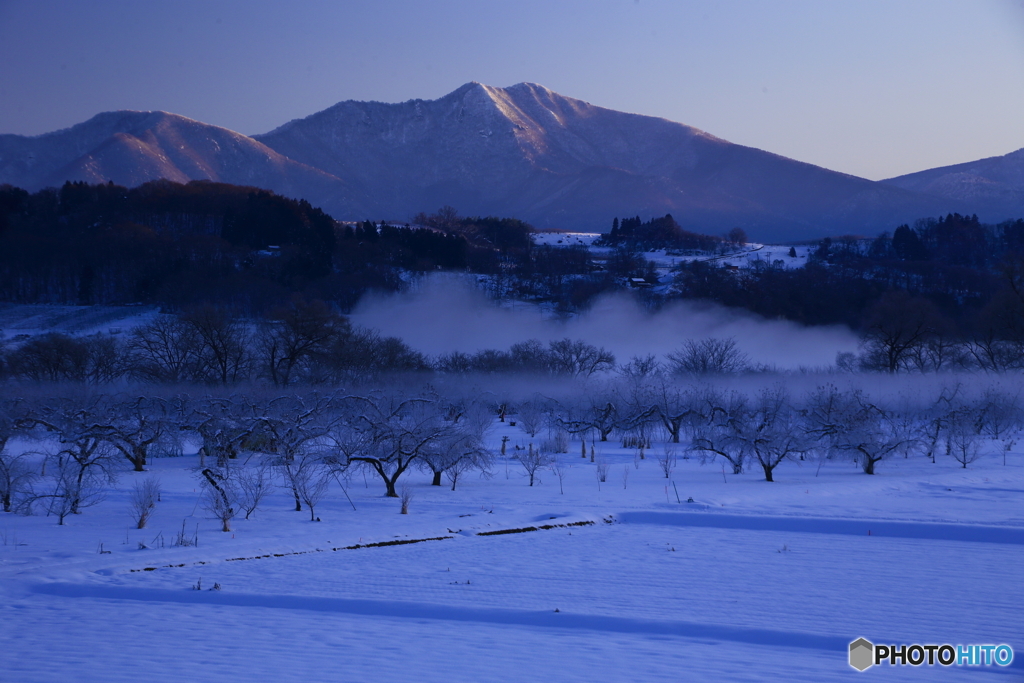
[[716, 424], [533, 460], [296, 429], [142, 500], [389, 433], [133, 425], [253, 483], [1001, 417], [84, 459], [223, 424], [771, 431], [16, 475], [963, 435], [530, 416]]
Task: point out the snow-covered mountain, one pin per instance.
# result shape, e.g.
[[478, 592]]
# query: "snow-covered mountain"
[[521, 151], [131, 147], [562, 162], [992, 187]]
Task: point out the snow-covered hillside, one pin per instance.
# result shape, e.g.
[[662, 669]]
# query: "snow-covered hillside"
[[744, 256]]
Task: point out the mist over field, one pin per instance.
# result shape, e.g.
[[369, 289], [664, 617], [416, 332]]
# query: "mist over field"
[[444, 314]]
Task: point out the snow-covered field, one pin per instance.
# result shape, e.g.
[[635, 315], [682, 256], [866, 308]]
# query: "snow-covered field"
[[22, 319], [743, 256], [750, 581]]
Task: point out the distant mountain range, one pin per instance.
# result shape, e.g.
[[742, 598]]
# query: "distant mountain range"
[[521, 151]]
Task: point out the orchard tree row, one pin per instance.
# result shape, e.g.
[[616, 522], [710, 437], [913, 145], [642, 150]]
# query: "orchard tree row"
[[308, 442]]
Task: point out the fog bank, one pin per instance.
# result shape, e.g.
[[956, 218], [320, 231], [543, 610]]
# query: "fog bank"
[[443, 314]]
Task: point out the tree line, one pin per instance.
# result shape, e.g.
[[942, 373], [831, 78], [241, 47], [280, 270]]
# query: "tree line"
[[663, 233], [306, 442], [967, 275], [181, 245]]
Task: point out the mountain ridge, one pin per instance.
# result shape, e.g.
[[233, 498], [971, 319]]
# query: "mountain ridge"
[[524, 151], [998, 181]]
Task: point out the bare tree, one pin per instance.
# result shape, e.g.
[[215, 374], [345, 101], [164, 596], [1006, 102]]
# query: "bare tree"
[[576, 358], [133, 426], [530, 417], [561, 469], [406, 498], [963, 437], [454, 454], [458, 468], [296, 429], [667, 461], [310, 478], [640, 369], [1001, 417], [388, 433], [295, 337], [165, 350], [711, 356], [223, 343], [771, 432], [851, 423], [597, 412], [16, 476], [84, 460], [896, 327], [220, 497], [222, 425], [717, 425], [79, 471], [253, 484], [673, 405], [142, 500], [57, 357], [533, 460]]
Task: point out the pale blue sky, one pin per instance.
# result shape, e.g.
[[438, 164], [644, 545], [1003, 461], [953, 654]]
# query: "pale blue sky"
[[869, 87]]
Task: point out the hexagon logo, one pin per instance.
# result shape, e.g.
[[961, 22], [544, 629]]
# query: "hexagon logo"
[[862, 654]]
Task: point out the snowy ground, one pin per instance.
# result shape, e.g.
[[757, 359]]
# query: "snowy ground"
[[751, 581], [665, 260], [19, 319]]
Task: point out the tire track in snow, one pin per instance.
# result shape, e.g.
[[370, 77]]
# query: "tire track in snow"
[[483, 615]]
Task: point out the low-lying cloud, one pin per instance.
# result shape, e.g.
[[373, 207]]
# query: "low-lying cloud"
[[444, 313]]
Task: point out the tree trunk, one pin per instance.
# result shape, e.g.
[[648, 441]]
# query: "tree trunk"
[[767, 472], [437, 479], [138, 458], [869, 465]]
